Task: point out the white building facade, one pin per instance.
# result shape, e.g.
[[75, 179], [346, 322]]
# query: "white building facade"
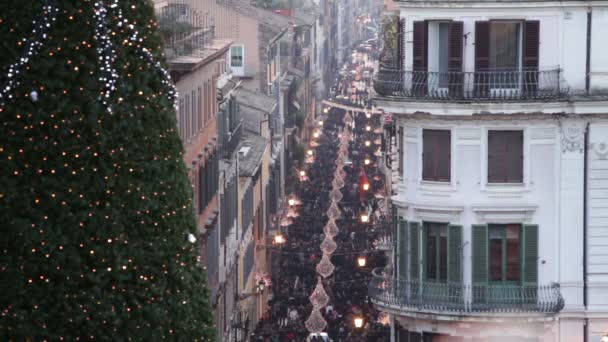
[[501, 132]]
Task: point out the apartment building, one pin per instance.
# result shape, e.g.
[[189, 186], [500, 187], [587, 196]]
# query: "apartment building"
[[500, 130]]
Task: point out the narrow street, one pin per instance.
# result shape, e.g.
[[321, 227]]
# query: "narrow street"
[[337, 214]]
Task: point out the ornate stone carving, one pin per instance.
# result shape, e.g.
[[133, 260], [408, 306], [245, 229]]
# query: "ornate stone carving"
[[573, 138], [600, 149]]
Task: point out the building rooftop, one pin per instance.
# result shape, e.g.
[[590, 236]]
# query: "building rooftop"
[[307, 15], [252, 147], [255, 100], [275, 22], [207, 53]]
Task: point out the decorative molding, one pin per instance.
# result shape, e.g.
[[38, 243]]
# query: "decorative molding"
[[600, 149], [468, 133], [411, 132], [504, 213], [573, 137], [542, 133], [437, 212]]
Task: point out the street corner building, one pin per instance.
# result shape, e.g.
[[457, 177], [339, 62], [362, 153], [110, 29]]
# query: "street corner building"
[[498, 154]]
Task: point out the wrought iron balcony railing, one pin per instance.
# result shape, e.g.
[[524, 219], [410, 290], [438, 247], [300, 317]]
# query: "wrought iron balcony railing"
[[459, 299], [491, 85]]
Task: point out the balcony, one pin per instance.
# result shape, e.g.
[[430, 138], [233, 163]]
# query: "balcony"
[[492, 85], [458, 299]]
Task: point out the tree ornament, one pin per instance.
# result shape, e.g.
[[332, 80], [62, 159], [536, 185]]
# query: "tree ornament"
[[319, 297], [325, 268], [315, 322], [191, 238], [34, 96]]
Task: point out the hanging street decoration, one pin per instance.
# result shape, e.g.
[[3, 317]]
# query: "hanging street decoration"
[[325, 268], [328, 246], [315, 322], [319, 297]]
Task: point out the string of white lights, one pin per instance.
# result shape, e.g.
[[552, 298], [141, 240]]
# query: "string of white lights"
[[106, 53], [149, 58], [39, 34]]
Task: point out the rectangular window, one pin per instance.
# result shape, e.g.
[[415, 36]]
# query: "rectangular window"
[[505, 38], [205, 104], [194, 125], [436, 252], [504, 253], [199, 108], [505, 156], [187, 118], [436, 155], [236, 56], [180, 118]]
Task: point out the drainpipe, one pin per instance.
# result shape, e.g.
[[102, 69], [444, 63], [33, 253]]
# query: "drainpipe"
[[588, 57], [585, 168]]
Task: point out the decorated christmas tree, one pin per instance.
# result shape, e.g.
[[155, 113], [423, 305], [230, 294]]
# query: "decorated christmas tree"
[[96, 214]]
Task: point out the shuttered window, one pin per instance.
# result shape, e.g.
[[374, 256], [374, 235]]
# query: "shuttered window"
[[402, 249], [530, 254], [208, 181], [454, 254], [505, 156], [497, 48], [480, 254], [436, 155], [420, 58], [400, 148], [505, 253], [414, 251], [400, 40], [435, 244]]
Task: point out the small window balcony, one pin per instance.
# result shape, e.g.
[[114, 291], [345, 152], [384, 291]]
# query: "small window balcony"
[[518, 84], [446, 299]]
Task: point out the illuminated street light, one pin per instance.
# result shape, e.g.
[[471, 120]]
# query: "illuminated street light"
[[302, 173], [365, 186], [309, 152], [320, 122], [358, 322], [279, 239], [361, 261], [367, 143], [364, 218], [367, 161], [291, 202], [368, 128], [315, 135]]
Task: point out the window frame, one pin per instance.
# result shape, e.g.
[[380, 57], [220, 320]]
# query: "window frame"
[[242, 50], [508, 177], [504, 257], [439, 227], [436, 178], [520, 38]]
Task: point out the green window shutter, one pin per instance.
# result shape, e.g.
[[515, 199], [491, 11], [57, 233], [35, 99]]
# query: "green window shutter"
[[423, 257], [530, 254], [396, 243], [454, 254], [402, 249], [414, 250], [480, 254]]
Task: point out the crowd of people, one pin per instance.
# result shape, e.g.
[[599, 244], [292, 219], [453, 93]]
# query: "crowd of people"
[[296, 277]]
